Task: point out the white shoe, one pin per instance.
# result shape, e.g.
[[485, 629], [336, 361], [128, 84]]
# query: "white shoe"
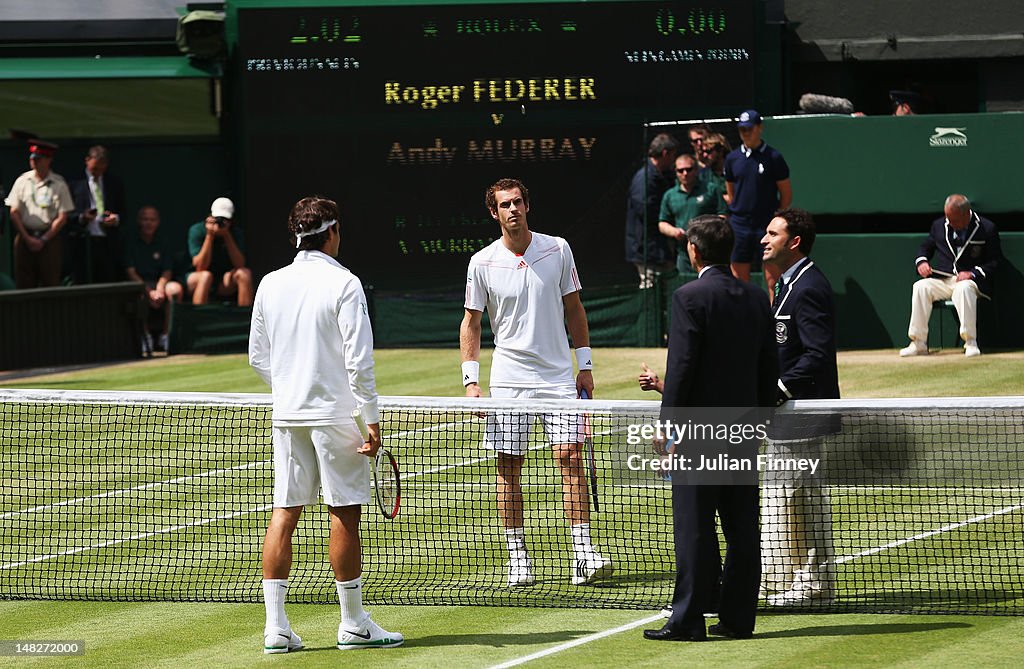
[[593, 568], [803, 597], [520, 573], [915, 348], [971, 348], [368, 635], [280, 641]]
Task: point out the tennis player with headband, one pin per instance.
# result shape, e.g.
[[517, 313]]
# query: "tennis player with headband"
[[304, 315], [527, 281]]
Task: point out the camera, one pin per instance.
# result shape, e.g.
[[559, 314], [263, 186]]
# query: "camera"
[[220, 221]]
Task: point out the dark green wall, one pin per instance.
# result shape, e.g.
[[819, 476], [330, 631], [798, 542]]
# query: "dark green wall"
[[885, 164], [872, 278]]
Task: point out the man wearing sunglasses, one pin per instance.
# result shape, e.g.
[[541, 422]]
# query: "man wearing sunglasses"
[[690, 198]]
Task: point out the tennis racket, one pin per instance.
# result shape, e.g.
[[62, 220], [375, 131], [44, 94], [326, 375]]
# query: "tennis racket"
[[387, 487], [588, 450]]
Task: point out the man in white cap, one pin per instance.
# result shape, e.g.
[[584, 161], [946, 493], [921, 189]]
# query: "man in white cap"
[[218, 257]]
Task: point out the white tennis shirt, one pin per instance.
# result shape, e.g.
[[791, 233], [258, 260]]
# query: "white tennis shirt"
[[523, 297], [310, 339]]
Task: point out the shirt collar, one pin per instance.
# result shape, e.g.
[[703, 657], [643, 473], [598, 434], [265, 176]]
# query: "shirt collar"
[[747, 152], [706, 268], [788, 275], [316, 256]]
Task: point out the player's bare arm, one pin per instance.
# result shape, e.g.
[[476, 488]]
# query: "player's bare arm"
[[469, 345], [576, 319]]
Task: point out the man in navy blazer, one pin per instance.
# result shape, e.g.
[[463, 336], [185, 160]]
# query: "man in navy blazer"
[[94, 230], [798, 556], [957, 260], [721, 353]]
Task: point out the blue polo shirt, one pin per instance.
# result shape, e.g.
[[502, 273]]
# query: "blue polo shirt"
[[753, 174]]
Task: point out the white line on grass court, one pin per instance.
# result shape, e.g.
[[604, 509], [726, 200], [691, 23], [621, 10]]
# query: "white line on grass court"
[[191, 477], [930, 533], [847, 558], [235, 514], [576, 642]]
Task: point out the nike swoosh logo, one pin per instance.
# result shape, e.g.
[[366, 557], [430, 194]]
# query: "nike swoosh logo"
[[361, 636]]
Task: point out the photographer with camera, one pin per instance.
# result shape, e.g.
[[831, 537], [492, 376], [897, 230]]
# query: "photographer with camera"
[[218, 259]]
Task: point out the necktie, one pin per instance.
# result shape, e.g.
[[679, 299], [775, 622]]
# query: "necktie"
[[778, 288], [97, 194]]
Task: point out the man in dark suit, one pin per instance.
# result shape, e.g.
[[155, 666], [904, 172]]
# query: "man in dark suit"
[[957, 261], [798, 559], [94, 233], [720, 354]]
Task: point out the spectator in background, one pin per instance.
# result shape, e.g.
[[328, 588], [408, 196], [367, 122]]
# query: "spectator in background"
[[40, 203], [715, 148], [965, 250], [698, 133], [218, 257], [757, 184], [646, 248], [147, 260], [94, 239], [905, 103], [689, 199]]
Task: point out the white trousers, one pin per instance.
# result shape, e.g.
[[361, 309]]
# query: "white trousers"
[[932, 289], [796, 526]]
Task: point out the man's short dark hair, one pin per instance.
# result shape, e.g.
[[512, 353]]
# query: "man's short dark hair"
[[310, 213], [799, 223], [712, 236], [505, 184], [661, 143], [98, 152]]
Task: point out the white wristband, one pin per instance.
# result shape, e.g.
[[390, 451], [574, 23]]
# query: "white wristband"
[[584, 358], [470, 372]]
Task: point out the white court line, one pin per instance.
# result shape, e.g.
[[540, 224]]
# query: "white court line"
[[638, 623], [576, 642], [191, 477], [930, 533], [207, 521], [144, 535]]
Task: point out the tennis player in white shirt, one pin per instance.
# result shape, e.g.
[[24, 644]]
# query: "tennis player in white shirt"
[[527, 281], [311, 341]]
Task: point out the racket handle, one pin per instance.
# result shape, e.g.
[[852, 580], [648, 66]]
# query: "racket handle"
[[357, 416]]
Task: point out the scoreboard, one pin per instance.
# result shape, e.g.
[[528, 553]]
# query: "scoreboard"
[[406, 113]]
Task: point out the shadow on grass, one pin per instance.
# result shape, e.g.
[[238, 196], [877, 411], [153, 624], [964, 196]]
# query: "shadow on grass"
[[861, 630]]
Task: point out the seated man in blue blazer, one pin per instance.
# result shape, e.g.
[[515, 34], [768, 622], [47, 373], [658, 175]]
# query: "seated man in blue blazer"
[[957, 260]]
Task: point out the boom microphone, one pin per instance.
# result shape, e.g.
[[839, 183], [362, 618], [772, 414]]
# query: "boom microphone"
[[812, 103]]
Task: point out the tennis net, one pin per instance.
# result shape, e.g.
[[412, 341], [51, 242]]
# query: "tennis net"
[[165, 496]]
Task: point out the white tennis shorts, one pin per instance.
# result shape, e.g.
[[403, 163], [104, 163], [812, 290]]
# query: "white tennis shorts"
[[510, 432], [311, 458]]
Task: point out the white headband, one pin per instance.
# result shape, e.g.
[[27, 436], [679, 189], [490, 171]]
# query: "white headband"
[[307, 233]]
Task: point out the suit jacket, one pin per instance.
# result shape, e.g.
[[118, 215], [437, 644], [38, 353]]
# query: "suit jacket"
[[721, 351], [805, 332], [645, 193], [981, 253], [113, 200]]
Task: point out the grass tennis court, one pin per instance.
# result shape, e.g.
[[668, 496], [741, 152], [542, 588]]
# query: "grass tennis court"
[[168, 634]]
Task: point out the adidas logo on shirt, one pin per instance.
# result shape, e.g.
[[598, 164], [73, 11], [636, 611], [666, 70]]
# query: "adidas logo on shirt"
[[522, 265]]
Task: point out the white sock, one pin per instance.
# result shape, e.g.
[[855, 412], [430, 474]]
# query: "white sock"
[[515, 538], [581, 545], [350, 595], [274, 592]]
